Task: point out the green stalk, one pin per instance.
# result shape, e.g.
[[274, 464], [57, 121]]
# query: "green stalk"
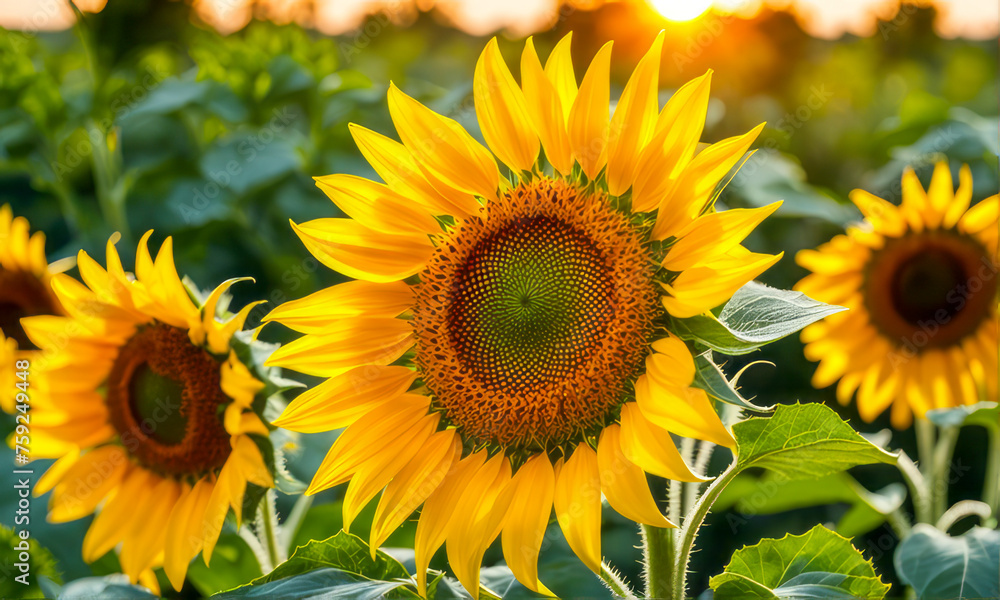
[[925, 446], [991, 487], [943, 452], [269, 529], [615, 583], [659, 547], [693, 522]]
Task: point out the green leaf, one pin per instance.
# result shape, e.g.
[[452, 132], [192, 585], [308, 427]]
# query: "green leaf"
[[709, 377], [337, 567], [772, 493], [983, 414], [803, 441], [326, 583], [817, 564], [756, 315], [342, 551], [110, 587], [233, 564], [939, 566]]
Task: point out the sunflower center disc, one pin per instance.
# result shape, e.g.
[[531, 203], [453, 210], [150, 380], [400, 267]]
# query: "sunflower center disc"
[[532, 320], [165, 400], [931, 289], [528, 302], [22, 295]]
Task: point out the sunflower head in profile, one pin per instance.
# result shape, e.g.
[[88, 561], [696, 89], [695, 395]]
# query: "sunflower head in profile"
[[920, 279], [152, 406], [24, 291], [505, 348]]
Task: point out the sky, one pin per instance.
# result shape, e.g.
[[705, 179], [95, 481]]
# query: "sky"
[[978, 19]]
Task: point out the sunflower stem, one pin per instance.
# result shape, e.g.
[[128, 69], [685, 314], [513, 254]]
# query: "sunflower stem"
[[615, 583], [269, 529], [991, 487], [925, 446], [659, 546], [689, 530], [943, 452], [918, 488]]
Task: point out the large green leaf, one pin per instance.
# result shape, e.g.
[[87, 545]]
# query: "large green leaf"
[[756, 315], [817, 564], [804, 441], [941, 567]]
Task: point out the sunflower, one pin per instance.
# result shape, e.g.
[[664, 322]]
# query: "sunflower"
[[142, 397], [24, 291], [504, 347], [920, 280]]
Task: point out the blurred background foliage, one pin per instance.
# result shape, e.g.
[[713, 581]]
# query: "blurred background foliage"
[[142, 118]]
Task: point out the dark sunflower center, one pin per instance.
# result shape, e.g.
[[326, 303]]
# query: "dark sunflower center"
[[22, 295], [923, 282], [531, 320], [930, 289], [528, 302], [165, 400]]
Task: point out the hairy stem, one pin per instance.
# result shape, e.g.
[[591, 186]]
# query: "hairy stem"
[[269, 529], [689, 531], [615, 583], [659, 546]]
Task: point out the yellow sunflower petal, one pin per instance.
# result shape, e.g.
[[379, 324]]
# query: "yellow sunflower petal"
[[559, 70], [347, 344], [533, 487], [184, 527], [634, 120], [982, 217], [651, 448], [443, 147], [397, 167], [589, 119], [107, 529], [480, 515], [375, 473], [675, 138], [140, 549], [342, 400], [363, 439], [961, 200], [502, 113], [376, 205], [693, 189], [624, 484], [671, 362], [438, 513], [939, 194], [577, 502], [684, 411], [87, 483], [915, 202], [884, 216], [350, 248], [703, 288], [710, 236], [57, 470], [414, 484], [546, 110], [313, 313]]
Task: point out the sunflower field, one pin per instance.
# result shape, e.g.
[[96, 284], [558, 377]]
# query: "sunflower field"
[[680, 300]]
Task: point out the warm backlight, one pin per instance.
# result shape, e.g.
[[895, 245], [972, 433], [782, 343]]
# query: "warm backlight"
[[680, 10]]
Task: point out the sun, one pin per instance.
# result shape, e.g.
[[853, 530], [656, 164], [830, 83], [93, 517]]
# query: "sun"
[[680, 10]]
